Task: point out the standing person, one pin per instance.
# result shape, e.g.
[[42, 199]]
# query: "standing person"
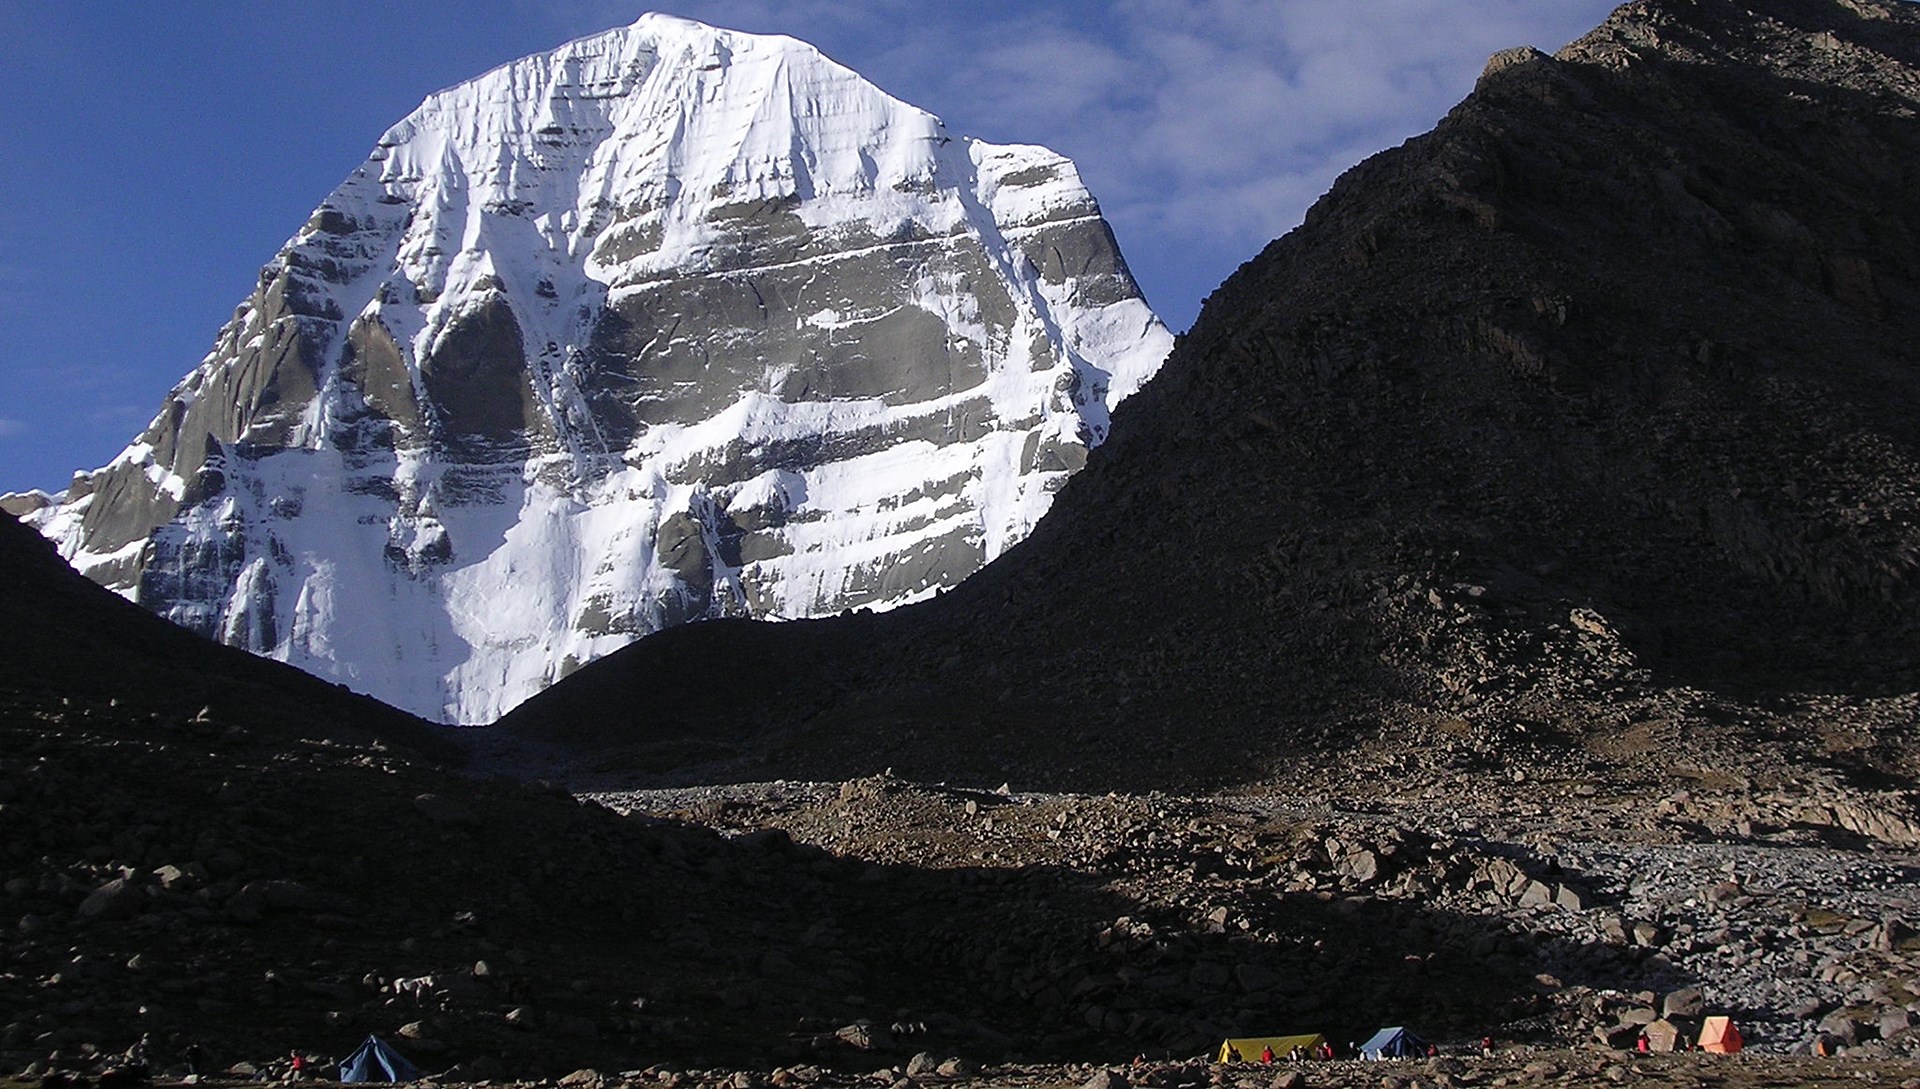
[[297, 1067], [1266, 1054]]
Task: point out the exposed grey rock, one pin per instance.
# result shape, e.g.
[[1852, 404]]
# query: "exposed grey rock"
[[1894, 1023], [1686, 1002], [117, 899], [1362, 866], [1842, 1026], [864, 1035]]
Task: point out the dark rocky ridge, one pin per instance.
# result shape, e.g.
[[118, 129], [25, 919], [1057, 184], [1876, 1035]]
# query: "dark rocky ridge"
[[67, 643], [1583, 425], [279, 867]]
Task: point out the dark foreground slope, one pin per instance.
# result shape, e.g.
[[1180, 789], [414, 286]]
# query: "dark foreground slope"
[[1582, 428], [202, 849], [67, 644]]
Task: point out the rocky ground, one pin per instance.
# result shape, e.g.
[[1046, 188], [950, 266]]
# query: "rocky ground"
[[1503, 1068], [1782, 918], [186, 882]]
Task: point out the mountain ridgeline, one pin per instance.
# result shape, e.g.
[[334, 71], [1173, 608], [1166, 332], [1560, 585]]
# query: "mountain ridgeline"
[[668, 323], [1587, 422]]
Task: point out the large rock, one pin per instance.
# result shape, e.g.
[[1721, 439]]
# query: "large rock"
[[117, 899], [1685, 1002]]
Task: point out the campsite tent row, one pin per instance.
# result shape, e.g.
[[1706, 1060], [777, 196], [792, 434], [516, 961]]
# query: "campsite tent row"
[[1388, 1043], [1717, 1034]]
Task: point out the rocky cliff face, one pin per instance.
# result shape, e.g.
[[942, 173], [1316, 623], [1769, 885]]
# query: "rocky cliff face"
[[1580, 429], [669, 323]]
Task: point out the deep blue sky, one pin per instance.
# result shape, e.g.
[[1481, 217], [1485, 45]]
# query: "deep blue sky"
[[156, 155]]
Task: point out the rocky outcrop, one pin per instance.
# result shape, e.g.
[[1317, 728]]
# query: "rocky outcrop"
[[669, 323]]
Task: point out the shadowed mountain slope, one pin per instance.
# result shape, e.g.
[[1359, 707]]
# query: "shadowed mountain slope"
[[1584, 424], [274, 872], [67, 642]]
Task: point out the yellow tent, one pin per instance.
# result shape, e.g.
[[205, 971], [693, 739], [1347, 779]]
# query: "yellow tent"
[[1249, 1049], [1719, 1034]]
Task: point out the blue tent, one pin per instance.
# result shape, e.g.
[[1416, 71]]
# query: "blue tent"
[[1393, 1043], [375, 1061]]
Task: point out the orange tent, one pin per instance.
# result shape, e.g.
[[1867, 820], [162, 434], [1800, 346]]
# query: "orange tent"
[[1719, 1034]]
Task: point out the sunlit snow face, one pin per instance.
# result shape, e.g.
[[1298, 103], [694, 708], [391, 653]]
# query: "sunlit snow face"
[[668, 324]]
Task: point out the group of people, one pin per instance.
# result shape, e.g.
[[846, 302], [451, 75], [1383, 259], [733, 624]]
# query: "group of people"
[[1295, 1054]]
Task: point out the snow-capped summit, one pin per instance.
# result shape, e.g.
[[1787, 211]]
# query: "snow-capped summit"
[[668, 323]]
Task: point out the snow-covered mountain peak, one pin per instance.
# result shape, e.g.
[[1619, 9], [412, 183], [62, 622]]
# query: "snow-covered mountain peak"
[[667, 322]]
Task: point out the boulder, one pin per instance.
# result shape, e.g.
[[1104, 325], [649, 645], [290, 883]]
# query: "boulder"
[[181, 878], [1685, 1002], [864, 1035], [1638, 1015], [1536, 892], [1362, 866], [117, 899], [1840, 1025]]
